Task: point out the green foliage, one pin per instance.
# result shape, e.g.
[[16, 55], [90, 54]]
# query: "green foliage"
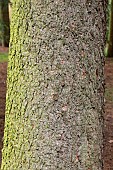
[[3, 57]]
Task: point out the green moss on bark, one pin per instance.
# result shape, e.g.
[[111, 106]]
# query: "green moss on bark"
[[55, 87]]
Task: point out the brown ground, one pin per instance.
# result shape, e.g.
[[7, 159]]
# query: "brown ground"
[[108, 130]]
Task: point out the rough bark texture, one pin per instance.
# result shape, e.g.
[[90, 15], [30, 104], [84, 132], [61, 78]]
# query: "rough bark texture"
[[54, 110]]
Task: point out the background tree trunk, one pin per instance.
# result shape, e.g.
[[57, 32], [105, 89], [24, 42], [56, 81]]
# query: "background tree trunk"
[[110, 31], [54, 109], [5, 25]]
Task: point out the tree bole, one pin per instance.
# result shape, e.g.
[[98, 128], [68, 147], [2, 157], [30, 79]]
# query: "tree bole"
[[54, 103]]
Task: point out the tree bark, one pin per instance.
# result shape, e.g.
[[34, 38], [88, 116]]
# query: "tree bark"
[[54, 108]]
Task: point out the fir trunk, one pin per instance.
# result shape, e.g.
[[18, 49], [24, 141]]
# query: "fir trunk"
[[110, 31], [54, 108], [5, 25]]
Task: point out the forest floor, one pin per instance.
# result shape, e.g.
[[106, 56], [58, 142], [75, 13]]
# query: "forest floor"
[[108, 116]]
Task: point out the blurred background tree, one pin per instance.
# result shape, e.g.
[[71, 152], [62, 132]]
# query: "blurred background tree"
[[4, 23], [109, 43]]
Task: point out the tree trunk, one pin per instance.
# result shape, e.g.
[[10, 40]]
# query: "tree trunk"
[[54, 108], [109, 44], [5, 25]]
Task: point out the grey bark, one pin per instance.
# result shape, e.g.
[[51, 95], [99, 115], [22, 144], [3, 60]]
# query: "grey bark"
[[54, 108]]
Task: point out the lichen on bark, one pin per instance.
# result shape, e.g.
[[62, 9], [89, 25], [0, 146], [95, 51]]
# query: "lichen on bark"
[[55, 86]]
